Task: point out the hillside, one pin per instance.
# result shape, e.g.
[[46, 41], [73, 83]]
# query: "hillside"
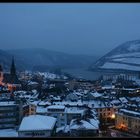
[[124, 57], [41, 59]]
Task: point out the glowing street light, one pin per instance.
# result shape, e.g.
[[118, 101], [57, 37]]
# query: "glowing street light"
[[113, 116]]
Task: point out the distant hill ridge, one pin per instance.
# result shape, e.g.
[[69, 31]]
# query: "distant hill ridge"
[[36, 58]]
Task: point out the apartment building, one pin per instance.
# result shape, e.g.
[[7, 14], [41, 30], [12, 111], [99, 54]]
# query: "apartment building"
[[128, 120], [10, 114], [64, 114], [57, 111]]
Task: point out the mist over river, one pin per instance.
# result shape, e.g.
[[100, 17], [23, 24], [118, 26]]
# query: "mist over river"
[[83, 73]]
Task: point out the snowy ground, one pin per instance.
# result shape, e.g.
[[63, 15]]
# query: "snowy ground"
[[8, 133]]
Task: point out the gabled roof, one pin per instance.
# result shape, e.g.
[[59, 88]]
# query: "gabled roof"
[[96, 94], [92, 125], [123, 100]]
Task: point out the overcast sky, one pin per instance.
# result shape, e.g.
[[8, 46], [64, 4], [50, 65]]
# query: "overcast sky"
[[76, 28]]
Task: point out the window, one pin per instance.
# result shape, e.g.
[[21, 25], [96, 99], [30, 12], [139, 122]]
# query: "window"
[[129, 123], [61, 114], [32, 109], [27, 134]]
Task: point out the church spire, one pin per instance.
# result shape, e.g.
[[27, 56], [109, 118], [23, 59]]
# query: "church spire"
[[13, 69], [1, 68], [1, 74]]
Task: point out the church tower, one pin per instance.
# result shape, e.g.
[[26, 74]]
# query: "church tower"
[[1, 74], [13, 68]]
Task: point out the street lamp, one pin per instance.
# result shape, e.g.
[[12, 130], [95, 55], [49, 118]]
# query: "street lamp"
[[113, 116]]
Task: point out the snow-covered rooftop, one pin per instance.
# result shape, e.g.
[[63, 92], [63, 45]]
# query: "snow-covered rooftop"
[[72, 110], [98, 104], [115, 102], [129, 89], [95, 123], [107, 87], [123, 100], [49, 75], [91, 103], [44, 103], [78, 93], [32, 83], [35, 102], [56, 98], [96, 94], [69, 103], [56, 107], [21, 91], [37, 122], [129, 112], [41, 110], [83, 125]]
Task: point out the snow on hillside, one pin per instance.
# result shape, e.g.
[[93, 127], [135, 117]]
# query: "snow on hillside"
[[110, 65], [128, 60], [125, 56], [134, 47], [135, 54]]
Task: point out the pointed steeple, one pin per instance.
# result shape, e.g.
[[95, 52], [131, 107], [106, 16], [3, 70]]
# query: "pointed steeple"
[[13, 68], [1, 74], [1, 68]]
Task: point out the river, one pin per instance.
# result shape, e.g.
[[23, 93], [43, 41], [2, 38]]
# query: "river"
[[83, 73]]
